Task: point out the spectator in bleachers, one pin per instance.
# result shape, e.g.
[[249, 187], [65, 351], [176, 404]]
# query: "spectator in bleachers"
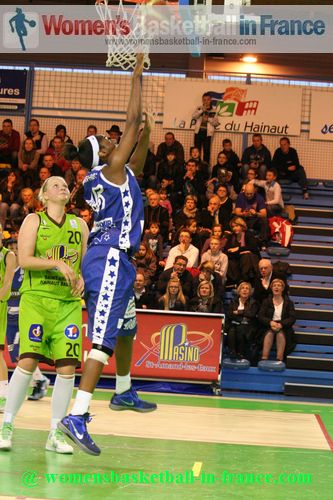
[[219, 259], [43, 174], [51, 166], [142, 297], [170, 174], [180, 272], [277, 315], [241, 323], [91, 130], [193, 182], [10, 188], [155, 213], [273, 193], [28, 160], [243, 252], [154, 240], [87, 215], [28, 205], [233, 158], [225, 208], [173, 299], [76, 198], [205, 300], [210, 215], [60, 131], [57, 153], [207, 273], [9, 143], [170, 143], [287, 164], [204, 126], [115, 134], [217, 232], [145, 260], [186, 248], [252, 207], [40, 139], [220, 169], [189, 211], [263, 281], [256, 156], [70, 174], [203, 166], [164, 201], [198, 235]]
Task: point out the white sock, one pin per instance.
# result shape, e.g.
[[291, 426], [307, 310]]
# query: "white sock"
[[123, 383], [3, 388], [82, 402], [37, 375], [17, 391], [61, 396]]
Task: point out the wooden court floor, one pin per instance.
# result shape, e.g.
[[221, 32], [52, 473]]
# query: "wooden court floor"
[[192, 447]]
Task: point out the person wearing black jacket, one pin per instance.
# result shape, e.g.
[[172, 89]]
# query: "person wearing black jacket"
[[155, 213], [206, 301], [241, 322], [287, 165], [242, 249], [142, 297], [277, 316], [177, 271]]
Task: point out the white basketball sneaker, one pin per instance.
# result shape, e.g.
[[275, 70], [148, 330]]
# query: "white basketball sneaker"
[[6, 435], [56, 442]]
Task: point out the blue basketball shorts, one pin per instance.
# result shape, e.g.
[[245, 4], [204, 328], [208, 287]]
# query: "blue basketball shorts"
[[109, 277]]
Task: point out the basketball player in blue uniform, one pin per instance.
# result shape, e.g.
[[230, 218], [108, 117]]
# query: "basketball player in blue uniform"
[[115, 197]]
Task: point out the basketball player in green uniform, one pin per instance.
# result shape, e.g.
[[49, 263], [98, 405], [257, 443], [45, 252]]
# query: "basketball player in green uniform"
[[7, 269], [51, 246]]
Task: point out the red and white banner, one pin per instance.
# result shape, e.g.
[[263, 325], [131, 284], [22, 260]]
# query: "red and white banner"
[[168, 345]]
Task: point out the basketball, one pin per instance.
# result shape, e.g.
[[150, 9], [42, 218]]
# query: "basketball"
[[32, 23]]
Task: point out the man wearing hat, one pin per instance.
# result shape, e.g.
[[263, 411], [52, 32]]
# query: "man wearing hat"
[[114, 134]]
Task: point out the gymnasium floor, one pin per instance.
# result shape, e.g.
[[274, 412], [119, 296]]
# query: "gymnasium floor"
[[191, 448]]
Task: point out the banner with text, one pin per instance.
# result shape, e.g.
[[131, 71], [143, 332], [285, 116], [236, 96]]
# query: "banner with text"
[[13, 90], [168, 346], [321, 121], [235, 107]]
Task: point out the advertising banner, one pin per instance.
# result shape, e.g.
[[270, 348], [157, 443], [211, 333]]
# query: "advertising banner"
[[13, 90], [169, 345], [321, 121], [235, 107]]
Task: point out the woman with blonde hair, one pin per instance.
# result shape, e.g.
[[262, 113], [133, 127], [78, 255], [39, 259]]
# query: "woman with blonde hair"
[[243, 252], [51, 246], [173, 299], [241, 321], [277, 315], [206, 301]]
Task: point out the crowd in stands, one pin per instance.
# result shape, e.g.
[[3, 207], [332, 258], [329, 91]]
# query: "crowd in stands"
[[204, 227]]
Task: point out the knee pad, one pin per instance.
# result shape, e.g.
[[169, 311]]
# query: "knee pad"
[[98, 355]]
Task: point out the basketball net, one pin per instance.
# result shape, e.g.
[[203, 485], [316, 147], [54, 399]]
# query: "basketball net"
[[126, 57]]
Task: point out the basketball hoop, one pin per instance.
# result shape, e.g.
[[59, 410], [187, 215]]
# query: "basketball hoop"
[[126, 57]]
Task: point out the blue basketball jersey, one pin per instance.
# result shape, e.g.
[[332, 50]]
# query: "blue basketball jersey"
[[118, 210]]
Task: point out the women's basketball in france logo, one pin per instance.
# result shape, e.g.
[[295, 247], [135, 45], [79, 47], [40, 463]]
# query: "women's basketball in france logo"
[[175, 343], [20, 30]]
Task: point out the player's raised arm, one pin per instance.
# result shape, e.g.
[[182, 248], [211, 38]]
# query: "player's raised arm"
[[133, 121], [139, 155]]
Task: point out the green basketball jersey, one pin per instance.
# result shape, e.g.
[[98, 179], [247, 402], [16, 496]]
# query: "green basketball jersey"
[[3, 254], [57, 242]]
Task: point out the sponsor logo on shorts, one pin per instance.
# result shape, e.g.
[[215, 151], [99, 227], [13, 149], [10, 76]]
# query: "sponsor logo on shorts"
[[36, 333], [72, 332], [130, 324]]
